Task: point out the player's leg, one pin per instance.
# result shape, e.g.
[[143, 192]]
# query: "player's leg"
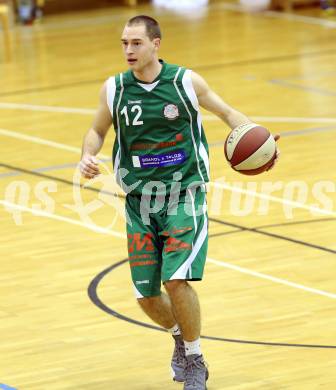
[[185, 238], [186, 308], [144, 248], [159, 309], [185, 246]]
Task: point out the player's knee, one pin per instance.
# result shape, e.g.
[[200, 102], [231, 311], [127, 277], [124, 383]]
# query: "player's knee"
[[174, 285]]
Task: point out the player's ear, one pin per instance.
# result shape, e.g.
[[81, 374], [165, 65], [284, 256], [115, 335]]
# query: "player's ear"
[[157, 42]]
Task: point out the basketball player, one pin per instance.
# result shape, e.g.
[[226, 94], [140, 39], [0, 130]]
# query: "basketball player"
[[160, 158]]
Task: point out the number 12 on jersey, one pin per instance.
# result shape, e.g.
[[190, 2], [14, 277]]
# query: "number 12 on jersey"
[[136, 121]]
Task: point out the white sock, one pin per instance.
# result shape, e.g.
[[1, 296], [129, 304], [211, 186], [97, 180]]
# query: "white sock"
[[175, 330], [193, 347]]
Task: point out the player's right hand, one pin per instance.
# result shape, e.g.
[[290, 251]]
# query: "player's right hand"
[[89, 166]]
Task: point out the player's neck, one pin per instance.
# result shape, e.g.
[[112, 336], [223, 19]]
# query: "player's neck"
[[150, 72]]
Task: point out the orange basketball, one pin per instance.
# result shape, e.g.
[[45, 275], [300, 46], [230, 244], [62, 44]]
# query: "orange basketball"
[[250, 149]]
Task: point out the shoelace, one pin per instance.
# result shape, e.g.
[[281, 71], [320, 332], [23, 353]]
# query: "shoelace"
[[180, 351], [190, 378]]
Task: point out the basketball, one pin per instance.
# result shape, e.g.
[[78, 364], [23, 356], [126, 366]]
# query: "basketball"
[[250, 149]]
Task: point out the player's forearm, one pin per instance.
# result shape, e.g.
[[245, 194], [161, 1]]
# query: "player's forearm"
[[215, 104], [234, 118], [93, 142]]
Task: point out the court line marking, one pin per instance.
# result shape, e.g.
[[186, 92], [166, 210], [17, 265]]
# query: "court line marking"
[[91, 111], [245, 62], [98, 229], [273, 198], [49, 168], [97, 301], [281, 15], [43, 141], [290, 133], [287, 119], [42, 108], [273, 235], [212, 144], [103, 20], [305, 88], [301, 18], [318, 75], [58, 145], [41, 213], [241, 228], [271, 278], [100, 20]]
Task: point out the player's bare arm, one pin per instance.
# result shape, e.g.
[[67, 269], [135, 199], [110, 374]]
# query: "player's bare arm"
[[94, 138], [209, 100]]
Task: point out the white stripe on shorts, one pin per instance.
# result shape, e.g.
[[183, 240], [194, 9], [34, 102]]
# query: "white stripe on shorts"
[[181, 272]]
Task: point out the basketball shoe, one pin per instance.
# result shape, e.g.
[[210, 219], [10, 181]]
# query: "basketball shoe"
[[179, 361], [196, 373]]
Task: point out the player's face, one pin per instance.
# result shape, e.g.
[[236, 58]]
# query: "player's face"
[[139, 50]]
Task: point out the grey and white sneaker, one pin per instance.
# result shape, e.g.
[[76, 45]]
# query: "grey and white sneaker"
[[196, 373], [178, 362]]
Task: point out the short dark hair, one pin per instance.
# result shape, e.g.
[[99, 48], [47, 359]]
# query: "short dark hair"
[[152, 26]]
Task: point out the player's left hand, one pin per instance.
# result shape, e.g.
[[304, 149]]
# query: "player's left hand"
[[276, 137]]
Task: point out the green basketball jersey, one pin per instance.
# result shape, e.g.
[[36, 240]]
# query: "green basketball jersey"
[[160, 139]]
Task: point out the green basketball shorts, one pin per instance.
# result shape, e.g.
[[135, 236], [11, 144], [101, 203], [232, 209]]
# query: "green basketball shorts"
[[167, 238]]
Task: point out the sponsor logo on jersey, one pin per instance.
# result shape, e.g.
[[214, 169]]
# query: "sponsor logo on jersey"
[[160, 145], [175, 245], [175, 230], [159, 160], [138, 243], [171, 111], [142, 282], [142, 263], [136, 257]]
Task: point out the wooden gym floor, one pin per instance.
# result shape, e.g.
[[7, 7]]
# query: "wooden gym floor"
[[268, 297]]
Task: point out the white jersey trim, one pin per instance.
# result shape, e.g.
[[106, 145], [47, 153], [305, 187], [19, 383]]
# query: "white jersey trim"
[[191, 122], [195, 224], [181, 273], [193, 208], [137, 293], [149, 87], [110, 93], [117, 158], [189, 89]]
